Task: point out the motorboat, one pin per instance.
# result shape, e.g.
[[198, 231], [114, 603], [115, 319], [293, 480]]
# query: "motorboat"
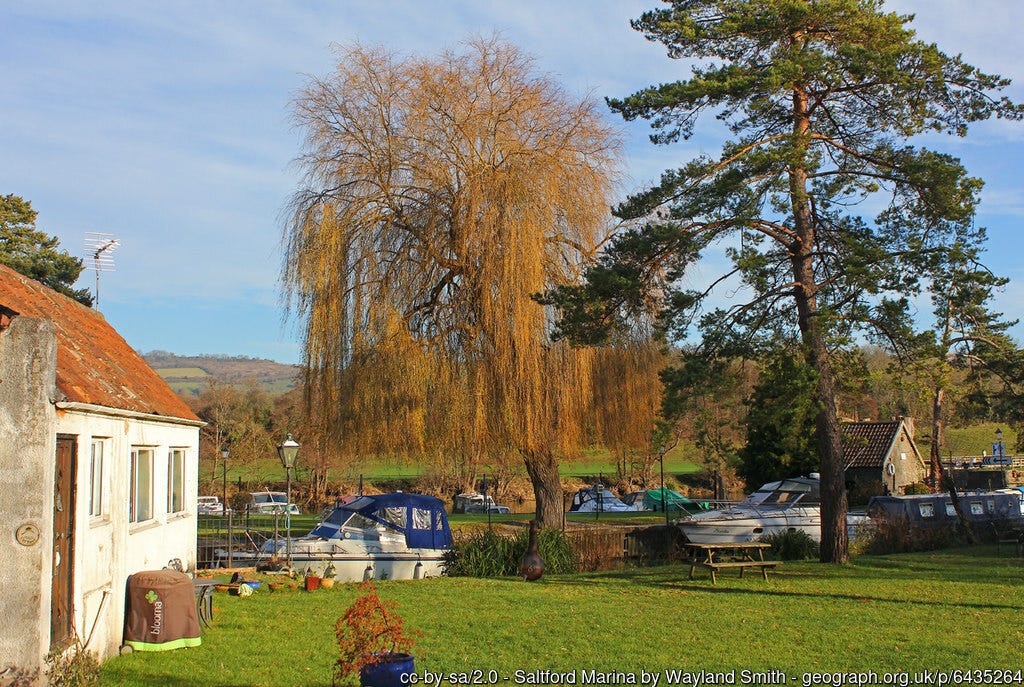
[[776, 507], [598, 498], [474, 502], [395, 536], [271, 502]]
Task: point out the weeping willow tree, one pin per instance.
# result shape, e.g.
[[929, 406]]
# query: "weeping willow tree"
[[439, 195], [627, 401]]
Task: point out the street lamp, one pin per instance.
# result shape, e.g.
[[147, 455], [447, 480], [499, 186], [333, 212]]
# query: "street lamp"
[[661, 455], [288, 451]]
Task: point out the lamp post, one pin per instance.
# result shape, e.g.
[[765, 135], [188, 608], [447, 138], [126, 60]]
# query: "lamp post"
[[661, 456], [225, 453], [288, 451]]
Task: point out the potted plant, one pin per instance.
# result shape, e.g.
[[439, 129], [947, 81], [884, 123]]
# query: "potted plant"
[[373, 642], [327, 578], [312, 581]]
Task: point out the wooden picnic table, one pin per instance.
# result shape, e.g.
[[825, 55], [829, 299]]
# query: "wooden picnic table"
[[740, 555]]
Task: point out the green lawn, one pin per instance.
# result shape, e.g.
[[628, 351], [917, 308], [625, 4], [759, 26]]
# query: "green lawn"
[[945, 610], [593, 464]]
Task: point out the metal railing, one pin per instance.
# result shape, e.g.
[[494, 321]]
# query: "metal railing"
[[234, 539]]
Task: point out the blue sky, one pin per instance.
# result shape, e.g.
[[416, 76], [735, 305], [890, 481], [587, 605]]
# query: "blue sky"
[[167, 124]]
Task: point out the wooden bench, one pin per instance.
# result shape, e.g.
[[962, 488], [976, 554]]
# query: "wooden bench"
[[739, 555], [713, 568]]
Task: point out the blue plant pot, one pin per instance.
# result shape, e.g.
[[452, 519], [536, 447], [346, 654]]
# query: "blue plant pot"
[[389, 672]]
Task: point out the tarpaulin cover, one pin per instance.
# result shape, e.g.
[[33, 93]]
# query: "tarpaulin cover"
[[160, 613], [673, 501]]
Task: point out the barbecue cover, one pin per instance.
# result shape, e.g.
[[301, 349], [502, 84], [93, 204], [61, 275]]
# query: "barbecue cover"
[[160, 613]]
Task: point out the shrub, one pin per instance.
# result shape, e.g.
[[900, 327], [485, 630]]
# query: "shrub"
[[896, 535], [917, 488], [74, 667], [370, 630], [488, 554], [792, 545]]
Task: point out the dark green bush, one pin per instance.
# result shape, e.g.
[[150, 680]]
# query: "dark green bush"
[[487, 554], [791, 545], [917, 488]]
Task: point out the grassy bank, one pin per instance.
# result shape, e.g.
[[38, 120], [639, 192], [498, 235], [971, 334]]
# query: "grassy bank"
[[944, 610]]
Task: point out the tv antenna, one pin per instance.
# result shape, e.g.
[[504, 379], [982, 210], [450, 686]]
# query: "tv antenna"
[[100, 248]]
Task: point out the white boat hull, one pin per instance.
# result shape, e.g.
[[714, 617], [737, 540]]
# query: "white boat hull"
[[354, 567], [411, 564], [715, 527]]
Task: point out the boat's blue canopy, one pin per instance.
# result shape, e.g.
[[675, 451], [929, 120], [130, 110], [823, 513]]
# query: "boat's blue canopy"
[[422, 519]]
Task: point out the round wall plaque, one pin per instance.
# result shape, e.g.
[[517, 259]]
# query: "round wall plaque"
[[27, 534]]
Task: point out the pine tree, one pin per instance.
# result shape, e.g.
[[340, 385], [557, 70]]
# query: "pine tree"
[[823, 98]]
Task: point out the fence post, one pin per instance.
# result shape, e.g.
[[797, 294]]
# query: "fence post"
[[231, 539]]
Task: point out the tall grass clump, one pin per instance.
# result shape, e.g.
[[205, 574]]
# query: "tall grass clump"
[[792, 545], [488, 554]]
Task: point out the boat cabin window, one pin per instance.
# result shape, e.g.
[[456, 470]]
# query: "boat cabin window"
[[269, 497], [359, 527], [927, 510], [420, 519], [393, 515]]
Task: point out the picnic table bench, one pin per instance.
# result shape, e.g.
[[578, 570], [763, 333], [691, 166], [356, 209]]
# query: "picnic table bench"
[[741, 555]]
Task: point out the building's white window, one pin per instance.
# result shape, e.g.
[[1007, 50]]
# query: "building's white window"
[[96, 477], [142, 485], [176, 481]]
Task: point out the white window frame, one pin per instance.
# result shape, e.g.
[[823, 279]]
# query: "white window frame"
[[176, 459], [141, 494], [97, 477]]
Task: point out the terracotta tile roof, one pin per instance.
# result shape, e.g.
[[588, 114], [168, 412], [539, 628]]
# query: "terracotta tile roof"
[[866, 444], [94, 364]]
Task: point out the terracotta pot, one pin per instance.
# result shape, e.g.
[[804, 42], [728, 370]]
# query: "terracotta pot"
[[312, 583]]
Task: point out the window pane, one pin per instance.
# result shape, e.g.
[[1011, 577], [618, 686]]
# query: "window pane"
[[420, 519], [96, 478], [176, 481], [142, 484]]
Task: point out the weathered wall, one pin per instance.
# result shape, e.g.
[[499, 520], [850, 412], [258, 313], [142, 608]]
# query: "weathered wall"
[[110, 548], [28, 362], [909, 467]]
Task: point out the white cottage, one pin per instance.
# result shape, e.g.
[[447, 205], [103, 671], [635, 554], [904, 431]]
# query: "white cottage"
[[98, 475]]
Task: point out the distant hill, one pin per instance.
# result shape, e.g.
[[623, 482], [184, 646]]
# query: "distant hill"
[[189, 374]]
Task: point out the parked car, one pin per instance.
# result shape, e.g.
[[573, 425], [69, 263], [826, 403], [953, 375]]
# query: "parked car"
[[270, 502], [210, 505]]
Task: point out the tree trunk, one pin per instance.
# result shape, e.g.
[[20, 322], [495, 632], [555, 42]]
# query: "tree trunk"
[[834, 544], [542, 468], [935, 462]]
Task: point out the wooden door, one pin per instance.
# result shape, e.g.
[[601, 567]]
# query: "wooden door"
[[62, 590]]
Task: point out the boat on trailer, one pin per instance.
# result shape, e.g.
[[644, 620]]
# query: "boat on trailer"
[[395, 536], [776, 507]]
